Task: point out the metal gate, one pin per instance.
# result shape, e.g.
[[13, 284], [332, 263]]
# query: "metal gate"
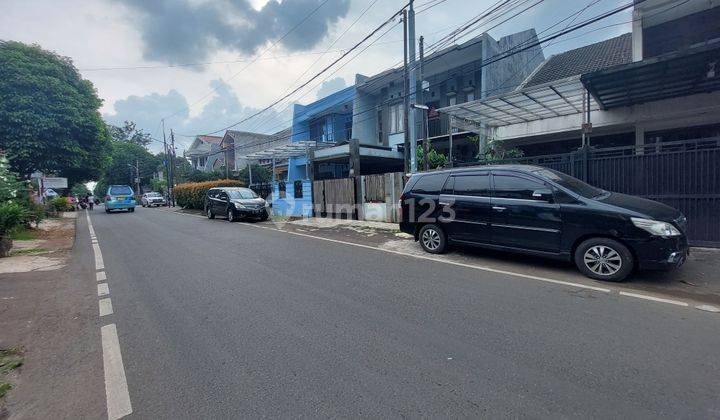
[[683, 174]]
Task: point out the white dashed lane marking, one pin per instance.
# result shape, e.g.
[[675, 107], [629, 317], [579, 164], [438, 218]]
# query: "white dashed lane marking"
[[105, 307], [116, 390]]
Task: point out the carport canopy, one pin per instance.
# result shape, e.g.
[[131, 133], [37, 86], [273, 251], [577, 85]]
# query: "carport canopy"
[[288, 150], [671, 75], [553, 99]]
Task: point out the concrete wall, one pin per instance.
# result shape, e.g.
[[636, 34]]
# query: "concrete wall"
[[291, 206], [505, 75]]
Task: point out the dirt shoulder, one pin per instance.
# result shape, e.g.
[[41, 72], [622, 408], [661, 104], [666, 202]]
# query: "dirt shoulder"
[[48, 308]]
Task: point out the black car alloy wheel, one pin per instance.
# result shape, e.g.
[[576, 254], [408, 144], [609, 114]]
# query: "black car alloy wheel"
[[604, 259], [432, 238], [231, 215]]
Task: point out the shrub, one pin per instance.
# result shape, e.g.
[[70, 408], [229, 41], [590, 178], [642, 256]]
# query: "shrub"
[[12, 215], [60, 204], [192, 194]]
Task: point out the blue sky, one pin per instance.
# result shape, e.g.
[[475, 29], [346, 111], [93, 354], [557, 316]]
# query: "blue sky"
[[233, 37]]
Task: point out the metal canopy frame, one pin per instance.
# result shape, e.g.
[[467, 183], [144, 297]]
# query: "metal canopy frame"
[[549, 100], [288, 150], [668, 76]]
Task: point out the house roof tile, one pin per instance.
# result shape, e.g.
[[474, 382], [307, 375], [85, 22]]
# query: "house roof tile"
[[608, 53]]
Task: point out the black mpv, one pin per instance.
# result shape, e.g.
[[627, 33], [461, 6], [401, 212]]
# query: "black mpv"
[[539, 211]]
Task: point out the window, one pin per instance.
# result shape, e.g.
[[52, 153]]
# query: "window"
[[512, 186], [452, 101], [470, 96], [429, 184], [474, 185], [573, 184], [396, 118], [281, 189], [243, 194], [298, 188], [120, 190], [223, 195]]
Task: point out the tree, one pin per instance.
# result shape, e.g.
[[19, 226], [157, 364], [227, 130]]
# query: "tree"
[[124, 157], [435, 159], [49, 115], [130, 133], [79, 189], [260, 174], [495, 151]]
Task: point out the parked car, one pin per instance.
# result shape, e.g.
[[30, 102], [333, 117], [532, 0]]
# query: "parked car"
[[235, 203], [152, 199], [539, 211], [119, 197]]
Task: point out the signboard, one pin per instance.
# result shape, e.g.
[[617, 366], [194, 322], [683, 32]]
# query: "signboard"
[[55, 183]]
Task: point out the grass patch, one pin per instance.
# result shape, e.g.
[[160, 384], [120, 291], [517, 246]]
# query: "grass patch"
[[10, 359], [23, 234], [29, 251]]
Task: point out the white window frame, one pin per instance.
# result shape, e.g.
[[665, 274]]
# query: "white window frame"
[[396, 118]]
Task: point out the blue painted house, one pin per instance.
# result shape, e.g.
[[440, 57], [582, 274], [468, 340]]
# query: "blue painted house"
[[325, 122]]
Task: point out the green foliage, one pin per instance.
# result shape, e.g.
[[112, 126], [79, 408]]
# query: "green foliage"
[[200, 176], [129, 133], [124, 157], [21, 233], [435, 159], [260, 174], [11, 216], [59, 204], [192, 195], [159, 185], [9, 185], [80, 189], [495, 151], [49, 115]]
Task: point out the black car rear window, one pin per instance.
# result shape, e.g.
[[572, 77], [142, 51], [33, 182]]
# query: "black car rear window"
[[477, 185], [120, 190], [429, 184]]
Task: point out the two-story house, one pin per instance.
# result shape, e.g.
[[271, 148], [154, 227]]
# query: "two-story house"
[[454, 75], [205, 153]]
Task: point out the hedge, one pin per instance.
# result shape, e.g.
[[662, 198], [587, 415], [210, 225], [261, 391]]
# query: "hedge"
[[191, 195]]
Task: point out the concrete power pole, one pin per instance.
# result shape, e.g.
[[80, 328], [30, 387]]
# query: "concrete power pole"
[[406, 97], [426, 114], [412, 128], [167, 171], [137, 176], [171, 186]]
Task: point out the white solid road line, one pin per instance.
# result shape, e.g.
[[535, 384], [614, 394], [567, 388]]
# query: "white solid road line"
[[103, 289], [105, 307], [100, 276], [654, 299], [116, 390]]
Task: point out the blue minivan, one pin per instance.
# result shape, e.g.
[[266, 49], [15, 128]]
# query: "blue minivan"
[[119, 197]]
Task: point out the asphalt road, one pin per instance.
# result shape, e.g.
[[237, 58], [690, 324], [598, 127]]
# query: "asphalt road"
[[228, 320]]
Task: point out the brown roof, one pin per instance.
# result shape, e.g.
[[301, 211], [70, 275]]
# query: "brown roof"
[[210, 139]]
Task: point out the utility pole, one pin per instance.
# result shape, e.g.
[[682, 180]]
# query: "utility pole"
[[137, 176], [426, 114], [411, 127], [450, 133], [171, 187], [406, 96], [167, 172]]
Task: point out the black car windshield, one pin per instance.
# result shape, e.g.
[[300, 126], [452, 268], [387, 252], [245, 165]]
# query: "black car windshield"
[[573, 184], [242, 194], [153, 194], [120, 190]]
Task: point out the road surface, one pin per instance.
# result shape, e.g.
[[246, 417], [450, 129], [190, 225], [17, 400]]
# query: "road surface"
[[220, 320]]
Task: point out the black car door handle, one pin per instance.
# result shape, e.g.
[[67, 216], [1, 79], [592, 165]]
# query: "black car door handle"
[[498, 208]]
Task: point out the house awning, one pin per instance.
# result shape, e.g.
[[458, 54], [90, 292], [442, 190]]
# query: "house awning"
[[553, 99], [287, 150], [668, 76]]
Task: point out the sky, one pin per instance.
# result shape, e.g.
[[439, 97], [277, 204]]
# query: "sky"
[[203, 65]]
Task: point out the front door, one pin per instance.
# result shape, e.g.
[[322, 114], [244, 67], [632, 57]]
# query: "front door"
[[524, 213], [466, 201], [221, 203]]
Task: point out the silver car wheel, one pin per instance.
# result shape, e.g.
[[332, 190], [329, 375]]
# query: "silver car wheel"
[[602, 260], [431, 239]]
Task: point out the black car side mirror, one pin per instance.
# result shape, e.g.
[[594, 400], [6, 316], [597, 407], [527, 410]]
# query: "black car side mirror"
[[543, 195]]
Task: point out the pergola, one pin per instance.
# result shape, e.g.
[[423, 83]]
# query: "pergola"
[[554, 99], [285, 151]]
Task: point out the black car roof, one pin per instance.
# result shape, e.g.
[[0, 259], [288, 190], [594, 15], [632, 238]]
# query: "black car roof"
[[516, 167]]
